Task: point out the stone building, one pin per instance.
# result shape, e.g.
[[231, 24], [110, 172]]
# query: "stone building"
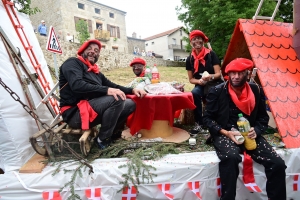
[[105, 23], [135, 45]]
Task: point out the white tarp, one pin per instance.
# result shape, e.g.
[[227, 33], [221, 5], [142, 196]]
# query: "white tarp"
[[16, 125], [177, 170]]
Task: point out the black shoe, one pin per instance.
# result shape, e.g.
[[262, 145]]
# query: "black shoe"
[[197, 129], [103, 144], [116, 135]]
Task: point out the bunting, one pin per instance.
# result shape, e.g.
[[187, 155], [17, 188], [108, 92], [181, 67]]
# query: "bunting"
[[129, 193], [93, 193], [219, 187], [195, 187], [296, 183], [51, 195], [165, 188]]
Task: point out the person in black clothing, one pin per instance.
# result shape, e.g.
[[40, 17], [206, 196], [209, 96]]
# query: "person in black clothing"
[[200, 60], [221, 114], [88, 98]]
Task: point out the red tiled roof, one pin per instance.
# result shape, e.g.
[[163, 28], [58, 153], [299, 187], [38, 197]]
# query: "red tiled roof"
[[269, 46], [163, 34]]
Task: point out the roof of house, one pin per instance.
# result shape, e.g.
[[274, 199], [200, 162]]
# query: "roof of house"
[[269, 45], [169, 32]]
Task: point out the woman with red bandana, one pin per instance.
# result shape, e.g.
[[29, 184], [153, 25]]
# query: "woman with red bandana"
[[200, 60], [224, 103], [88, 98]]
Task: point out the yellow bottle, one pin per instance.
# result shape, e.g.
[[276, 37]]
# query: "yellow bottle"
[[244, 128], [155, 75]]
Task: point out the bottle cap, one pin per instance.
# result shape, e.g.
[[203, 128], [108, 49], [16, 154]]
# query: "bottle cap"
[[240, 115]]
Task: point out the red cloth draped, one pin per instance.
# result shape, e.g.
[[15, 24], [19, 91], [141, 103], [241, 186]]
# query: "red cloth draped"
[[157, 107]]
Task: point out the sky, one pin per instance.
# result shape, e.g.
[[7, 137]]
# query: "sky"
[[147, 17]]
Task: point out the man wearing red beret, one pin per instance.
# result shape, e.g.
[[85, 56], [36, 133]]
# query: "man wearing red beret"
[[224, 103], [201, 59], [138, 67], [88, 98]]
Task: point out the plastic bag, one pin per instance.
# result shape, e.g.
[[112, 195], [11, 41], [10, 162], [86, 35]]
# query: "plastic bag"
[[161, 88], [139, 82]]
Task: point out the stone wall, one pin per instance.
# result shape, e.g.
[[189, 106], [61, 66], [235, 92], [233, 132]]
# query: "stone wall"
[[108, 59]]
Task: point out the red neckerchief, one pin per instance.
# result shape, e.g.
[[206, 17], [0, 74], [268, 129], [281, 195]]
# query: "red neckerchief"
[[94, 68], [246, 102], [142, 74], [199, 57]]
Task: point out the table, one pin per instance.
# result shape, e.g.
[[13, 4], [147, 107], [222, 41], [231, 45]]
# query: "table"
[[154, 114]]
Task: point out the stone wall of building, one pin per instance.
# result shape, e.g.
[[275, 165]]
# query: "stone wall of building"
[[108, 59]]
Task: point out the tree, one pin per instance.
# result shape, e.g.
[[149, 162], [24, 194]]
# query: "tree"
[[24, 7], [83, 31], [217, 18], [285, 10]]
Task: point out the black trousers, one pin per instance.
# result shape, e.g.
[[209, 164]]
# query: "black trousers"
[[229, 154], [112, 114]]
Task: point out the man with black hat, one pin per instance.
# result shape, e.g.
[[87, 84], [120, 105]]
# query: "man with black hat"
[[224, 103], [88, 98]]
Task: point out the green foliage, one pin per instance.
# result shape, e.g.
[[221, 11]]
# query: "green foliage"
[[217, 18], [82, 31], [24, 7], [286, 11]]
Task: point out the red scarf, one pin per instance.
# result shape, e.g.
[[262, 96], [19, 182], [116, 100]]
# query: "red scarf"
[[199, 57], [94, 68], [142, 74], [246, 102]]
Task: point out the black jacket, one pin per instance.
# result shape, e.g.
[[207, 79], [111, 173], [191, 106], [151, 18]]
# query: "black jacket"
[[77, 84], [216, 115]]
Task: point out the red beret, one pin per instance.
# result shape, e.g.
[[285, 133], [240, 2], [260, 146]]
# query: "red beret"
[[195, 33], [138, 61], [86, 44], [238, 65]]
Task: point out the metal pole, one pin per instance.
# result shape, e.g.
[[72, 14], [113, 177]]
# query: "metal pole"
[[55, 64]]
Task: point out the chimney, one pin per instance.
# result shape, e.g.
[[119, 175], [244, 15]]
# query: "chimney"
[[134, 34]]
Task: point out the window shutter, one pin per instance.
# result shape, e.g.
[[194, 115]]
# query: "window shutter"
[[76, 19], [90, 26], [118, 32], [108, 29]]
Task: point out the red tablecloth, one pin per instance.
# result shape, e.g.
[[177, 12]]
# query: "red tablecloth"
[[157, 107]]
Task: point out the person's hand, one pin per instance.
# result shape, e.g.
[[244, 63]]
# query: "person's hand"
[[207, 78], [201, 81], [139, 93], [116, 92], [231, 135], [252, 134]]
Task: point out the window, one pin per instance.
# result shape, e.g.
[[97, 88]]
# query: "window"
[[174, 40], [111, 15], [81, 6], [180, 32], [98, 26], [152, 43], [89, 23], [114, 48], [114, 31], [97, 10]]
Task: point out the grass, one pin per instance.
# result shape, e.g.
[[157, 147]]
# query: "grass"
[[123, 76]]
